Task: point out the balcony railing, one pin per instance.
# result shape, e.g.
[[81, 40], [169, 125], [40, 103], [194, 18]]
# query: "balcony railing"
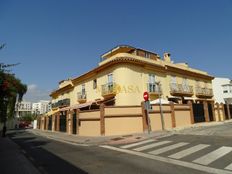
[[204, 92], [81, 97], [181, 89], [109, 90], [154, 89], [61, 103]]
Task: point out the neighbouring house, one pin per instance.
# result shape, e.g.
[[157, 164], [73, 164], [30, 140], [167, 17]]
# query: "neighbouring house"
[[23, 108], [41, 107], [222, 90]]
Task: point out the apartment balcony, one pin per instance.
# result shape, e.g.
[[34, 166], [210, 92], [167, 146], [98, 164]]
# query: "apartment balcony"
[[81, 97], [181, 90], [109, 90], [154, 89], [61, 104], [204, 92]]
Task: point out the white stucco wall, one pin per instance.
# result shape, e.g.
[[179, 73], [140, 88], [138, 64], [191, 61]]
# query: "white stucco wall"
[[218, 89]]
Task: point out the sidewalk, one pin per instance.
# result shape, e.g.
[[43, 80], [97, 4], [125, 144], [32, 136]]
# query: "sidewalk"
[[120, 139], [12, 159]]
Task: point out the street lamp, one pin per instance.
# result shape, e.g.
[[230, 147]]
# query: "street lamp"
[[161, 109]]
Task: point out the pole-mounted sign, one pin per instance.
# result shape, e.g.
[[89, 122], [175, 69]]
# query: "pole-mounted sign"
[[147, 109], [146, 96]]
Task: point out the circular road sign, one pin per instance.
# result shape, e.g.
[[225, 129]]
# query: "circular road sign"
[[146, 96]]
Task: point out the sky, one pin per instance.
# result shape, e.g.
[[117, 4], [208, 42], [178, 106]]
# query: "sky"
[[58, 39]]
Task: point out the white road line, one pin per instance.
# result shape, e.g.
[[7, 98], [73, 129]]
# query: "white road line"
[[137, 144], [189, 151], [149, 146], [168, 148], [229, 167], [214, 155], [171, 161]]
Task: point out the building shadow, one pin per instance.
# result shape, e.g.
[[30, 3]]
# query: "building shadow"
[[43, 160]]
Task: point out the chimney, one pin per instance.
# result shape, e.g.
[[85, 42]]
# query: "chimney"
[[167, 57]]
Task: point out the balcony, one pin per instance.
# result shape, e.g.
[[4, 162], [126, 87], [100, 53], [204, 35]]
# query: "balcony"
[[61, 103], [204, 92], [81, 97], [109, 90], [154, 89], [181, 90]]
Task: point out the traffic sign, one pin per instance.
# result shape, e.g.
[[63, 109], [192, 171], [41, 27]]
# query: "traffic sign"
[[146, 96]]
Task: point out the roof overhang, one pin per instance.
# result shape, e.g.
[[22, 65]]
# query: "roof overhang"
[[188, 72], [61, 90]]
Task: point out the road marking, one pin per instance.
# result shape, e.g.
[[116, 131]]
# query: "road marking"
[[168, 148], [149, 146], [212, 156], [189, 151], [136, 144], [229, 167], [171, 161]]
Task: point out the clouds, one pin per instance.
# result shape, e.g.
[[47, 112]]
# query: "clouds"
[[34, 93]]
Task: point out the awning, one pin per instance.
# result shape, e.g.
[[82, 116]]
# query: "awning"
[[51, 112], [189, 98], [77, 106], [174, 97], [64, 108], [157, 101]]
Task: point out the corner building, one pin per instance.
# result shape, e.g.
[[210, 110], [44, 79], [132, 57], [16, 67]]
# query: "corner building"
[[125, 73]]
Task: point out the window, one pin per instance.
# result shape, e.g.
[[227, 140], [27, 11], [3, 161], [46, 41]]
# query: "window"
[[173, 79], [94, 83], [110, 78], [110, 82], [174, 83], [83, 89], [147, 55], [185, 85], [151, 83]]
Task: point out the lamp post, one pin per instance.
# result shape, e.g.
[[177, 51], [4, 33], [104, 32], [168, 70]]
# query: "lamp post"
[[161, 109]]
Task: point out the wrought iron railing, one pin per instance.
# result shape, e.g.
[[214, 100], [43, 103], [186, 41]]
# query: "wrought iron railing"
[[181, 88], [204, 91], [108, 88], [81, 95]]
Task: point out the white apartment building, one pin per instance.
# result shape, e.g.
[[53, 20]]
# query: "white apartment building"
[[222, 90], [41, 107], [23, 108]]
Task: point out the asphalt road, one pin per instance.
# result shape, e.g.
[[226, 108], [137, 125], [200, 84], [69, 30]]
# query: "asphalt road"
[[176, 154]]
